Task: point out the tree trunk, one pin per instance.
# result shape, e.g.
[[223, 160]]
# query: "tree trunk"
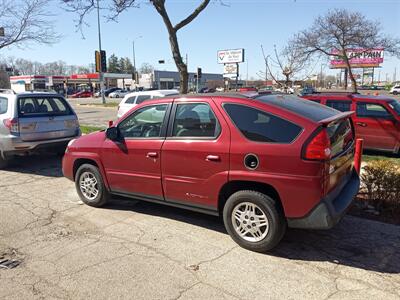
[[182, 67], [350, 72], [346, 75]]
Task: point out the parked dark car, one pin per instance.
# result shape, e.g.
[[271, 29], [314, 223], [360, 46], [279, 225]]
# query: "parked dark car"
[[263, 164], [307, 90]]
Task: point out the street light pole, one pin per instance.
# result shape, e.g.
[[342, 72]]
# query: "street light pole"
[[101, 77]]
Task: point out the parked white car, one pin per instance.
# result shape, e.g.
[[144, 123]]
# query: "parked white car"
[[119, 94], [395, 90], [135, 98]]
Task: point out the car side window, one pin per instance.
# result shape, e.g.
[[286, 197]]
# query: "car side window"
[[372, 110], [260, 126], [339, 104], [130, 100], [142, 98], [3, 105], [195, 120], [144, 123]]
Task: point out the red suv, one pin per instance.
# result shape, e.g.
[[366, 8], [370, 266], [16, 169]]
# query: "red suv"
[[377, 118], [263, 164]]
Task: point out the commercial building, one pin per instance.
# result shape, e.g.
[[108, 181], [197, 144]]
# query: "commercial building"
[[171, 80], [58, 83]]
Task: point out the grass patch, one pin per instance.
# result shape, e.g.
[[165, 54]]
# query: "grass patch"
[[89, 129], [370, 156]]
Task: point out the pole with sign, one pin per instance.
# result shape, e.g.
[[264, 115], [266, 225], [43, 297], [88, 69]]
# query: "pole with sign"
[[231, 60]]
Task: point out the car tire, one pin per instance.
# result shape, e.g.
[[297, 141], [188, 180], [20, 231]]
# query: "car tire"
[[395, 93], [245, 211], [116, 96], [90, 186]]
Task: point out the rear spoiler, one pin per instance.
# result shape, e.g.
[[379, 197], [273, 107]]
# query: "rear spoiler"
[[337, 117]]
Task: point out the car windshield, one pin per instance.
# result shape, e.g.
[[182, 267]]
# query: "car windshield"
[[396, 106]]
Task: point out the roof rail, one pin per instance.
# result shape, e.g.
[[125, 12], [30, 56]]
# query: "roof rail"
[[7, 91]]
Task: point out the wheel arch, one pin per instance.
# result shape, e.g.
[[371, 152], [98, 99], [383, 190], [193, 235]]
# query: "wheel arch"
[[234, 186], [81, 161]]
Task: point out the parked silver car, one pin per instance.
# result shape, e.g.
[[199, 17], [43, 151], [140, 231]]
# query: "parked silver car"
[[33, 121]]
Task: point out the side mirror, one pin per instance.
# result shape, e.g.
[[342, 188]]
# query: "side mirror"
[[112, 133]]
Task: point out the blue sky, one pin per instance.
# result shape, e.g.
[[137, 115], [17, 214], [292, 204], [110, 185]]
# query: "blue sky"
[[242, 24]]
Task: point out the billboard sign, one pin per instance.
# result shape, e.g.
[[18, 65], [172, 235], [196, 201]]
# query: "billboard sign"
[[230, 56], [359, 58], [231, 70]]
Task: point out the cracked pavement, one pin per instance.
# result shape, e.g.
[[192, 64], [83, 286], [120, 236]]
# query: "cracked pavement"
[[138, 250]]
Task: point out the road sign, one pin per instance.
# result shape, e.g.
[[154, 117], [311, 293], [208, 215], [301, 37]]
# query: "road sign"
[[231, 70], [230, 56]]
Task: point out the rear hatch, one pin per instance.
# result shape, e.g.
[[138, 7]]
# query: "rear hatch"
[[45, 118], [331, 144], [341, 135]]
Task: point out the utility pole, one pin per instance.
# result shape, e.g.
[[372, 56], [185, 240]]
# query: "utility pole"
[[101, 76]]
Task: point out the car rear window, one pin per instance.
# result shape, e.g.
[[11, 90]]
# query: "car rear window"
[[3, 105], [142, 98], [395, 105], [341, 136], [130, 100], [300, 106], [42, 106], [260, 126]]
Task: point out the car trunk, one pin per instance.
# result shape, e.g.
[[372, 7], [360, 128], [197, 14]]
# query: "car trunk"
[[342, 140], [45, 118]]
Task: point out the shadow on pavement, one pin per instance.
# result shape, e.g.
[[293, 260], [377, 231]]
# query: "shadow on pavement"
[[38, 164], [354, 242]]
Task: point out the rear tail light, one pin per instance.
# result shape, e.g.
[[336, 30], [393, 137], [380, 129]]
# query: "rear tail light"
[[319, 148], [71, 123], [12, 125]]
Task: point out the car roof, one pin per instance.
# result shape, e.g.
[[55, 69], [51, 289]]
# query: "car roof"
[[153, 92], [38, 94], [350, 95], [298, 106]]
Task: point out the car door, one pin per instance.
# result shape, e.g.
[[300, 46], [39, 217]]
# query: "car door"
[[376, 125], [133, 165], [195, 155]]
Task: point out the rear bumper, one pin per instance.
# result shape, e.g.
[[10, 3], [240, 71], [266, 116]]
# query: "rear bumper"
[[331, 209], [15, 146]]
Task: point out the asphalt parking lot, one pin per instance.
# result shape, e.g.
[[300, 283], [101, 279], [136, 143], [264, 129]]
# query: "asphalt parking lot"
[[137, 250]]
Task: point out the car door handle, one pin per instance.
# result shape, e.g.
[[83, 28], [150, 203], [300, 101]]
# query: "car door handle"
[[152, 155], [213, 158], [361, 124]]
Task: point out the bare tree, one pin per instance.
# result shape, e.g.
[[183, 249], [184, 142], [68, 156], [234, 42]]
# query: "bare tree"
[[146, 68], [291, 63], [116, 7], [26, 21], [339, 31]]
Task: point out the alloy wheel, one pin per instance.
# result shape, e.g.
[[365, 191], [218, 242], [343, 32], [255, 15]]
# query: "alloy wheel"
[[250, 222]]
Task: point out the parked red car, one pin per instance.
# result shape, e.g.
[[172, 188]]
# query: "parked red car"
[[377, 118], [247, 89], [262, 163], [82, 94]]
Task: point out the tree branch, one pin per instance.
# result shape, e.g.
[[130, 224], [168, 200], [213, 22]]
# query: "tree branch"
[[192, 16]]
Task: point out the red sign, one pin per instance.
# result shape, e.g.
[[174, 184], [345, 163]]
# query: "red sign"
[[85, 76], [359, 58]]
